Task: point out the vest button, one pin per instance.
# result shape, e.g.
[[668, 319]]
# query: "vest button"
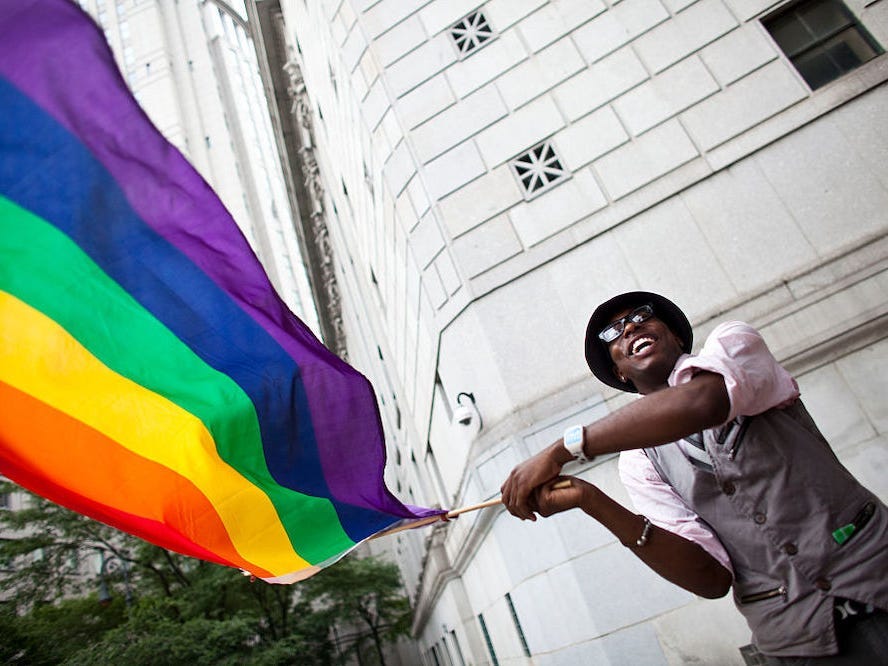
[[759, 518], [823, 584], [728, 488], [790, 548]]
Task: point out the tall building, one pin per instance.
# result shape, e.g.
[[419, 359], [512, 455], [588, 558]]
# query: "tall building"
[[479, 175], [192, 66]]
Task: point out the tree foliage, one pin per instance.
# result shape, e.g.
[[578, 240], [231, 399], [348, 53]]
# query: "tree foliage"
[[79, 592]]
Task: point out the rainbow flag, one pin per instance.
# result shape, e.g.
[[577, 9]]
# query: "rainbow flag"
[[150, 376]]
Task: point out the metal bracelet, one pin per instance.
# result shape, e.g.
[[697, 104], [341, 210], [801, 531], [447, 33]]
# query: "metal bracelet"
[[645, 533]]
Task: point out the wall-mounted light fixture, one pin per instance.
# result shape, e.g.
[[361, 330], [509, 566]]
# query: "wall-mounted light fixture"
[[466, 414]]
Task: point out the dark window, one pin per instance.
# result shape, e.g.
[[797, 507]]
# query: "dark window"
[[517, 625], [487, 640], [822, 39]]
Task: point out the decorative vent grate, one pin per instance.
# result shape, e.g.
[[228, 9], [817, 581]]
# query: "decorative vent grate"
[[471, 32], [539, 169]]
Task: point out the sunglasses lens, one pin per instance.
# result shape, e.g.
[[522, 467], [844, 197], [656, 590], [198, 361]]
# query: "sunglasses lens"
[[611, 333]]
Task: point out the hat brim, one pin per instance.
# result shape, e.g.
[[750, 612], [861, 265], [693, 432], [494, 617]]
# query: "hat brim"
[[597, 353]]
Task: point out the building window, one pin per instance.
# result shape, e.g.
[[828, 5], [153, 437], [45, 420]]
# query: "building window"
[[493, 659], [822, 39], [538, 169], [459, 655], [517, 625], [470, 33]]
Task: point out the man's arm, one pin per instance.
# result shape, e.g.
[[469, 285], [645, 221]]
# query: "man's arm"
[[658, 418], [677, 559]]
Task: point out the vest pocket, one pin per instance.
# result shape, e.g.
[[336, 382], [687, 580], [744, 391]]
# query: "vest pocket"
[[847, 532], [738, 440], [761, 596]]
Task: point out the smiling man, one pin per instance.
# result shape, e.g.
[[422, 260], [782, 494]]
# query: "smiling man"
[[736, 486]]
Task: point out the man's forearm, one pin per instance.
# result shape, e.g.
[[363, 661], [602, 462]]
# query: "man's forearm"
[[659, 418], [676, 559]]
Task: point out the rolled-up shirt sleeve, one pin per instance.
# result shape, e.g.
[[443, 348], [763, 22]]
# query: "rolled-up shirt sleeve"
[[754, 379], [654, 498]]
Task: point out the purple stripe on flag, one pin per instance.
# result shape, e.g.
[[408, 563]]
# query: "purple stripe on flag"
[[164, 189]]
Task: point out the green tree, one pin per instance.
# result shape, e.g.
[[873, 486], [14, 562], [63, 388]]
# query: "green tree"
[[170, 609], [362, 595]]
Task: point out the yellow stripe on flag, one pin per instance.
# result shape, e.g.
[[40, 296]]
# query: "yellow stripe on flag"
[[41, 358]]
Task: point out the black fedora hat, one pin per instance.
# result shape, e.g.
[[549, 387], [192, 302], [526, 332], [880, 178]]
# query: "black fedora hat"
[[597, 354]]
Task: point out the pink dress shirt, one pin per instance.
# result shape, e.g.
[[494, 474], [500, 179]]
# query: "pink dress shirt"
[[755, 383]]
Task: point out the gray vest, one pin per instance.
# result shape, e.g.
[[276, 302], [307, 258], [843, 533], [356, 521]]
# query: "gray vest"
[[776, 497]]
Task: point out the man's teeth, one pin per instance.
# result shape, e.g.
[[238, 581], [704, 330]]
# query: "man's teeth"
[[640, 344]]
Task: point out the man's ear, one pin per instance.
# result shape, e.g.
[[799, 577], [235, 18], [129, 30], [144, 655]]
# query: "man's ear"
[[618, 374]]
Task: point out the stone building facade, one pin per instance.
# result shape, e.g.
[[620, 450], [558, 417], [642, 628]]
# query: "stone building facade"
[[482, 174]]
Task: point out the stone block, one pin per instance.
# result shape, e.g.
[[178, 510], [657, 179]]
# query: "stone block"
[[533, 77], [747, 9], [676, 6], [438, 16], [589, 138], [457, 123], [652, 240], [399, 169], [391, 128], [400, 40], [598, 85], [504, 13], [742, 216], [519, 131], [866, 373], [353, 48], [692, 29], [719, 632], [447, 270], [452, 170], [738, 53], [835, 407], [622, 23], [486, 246], [749, 101], [386, 14], [359, 84], [419, 198], [434, 288], [669, 92], [479, 200], [619, 582], [496, 57], [556, 19], [421, 64], [425, 101], [869, 465], [557, 209], [375, 104], [652, 155], [820, 173], [634, 645]]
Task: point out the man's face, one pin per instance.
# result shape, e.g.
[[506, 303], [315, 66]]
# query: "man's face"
[[644, 353]]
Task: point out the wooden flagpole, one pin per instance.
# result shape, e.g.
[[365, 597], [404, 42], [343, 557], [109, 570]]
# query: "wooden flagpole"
[[444, 517]]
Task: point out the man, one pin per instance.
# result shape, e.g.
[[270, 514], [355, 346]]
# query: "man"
[[737, 486]]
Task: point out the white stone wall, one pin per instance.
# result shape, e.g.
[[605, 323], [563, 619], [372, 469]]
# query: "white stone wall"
[[701, 166], [193, 70]]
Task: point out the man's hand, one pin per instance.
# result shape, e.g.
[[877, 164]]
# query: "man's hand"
[[564, 493], [518, 490]]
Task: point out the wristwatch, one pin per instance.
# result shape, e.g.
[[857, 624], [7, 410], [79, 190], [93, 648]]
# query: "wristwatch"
[[573, 442]]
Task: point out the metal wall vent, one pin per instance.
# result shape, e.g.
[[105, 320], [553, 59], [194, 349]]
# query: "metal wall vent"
[[539, 169], [471, 32]]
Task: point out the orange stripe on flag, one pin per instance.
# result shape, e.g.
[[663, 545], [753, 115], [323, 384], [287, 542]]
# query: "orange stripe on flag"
[[75, 465]]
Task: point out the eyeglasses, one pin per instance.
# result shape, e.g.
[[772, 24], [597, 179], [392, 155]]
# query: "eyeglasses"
[[613, 330]]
